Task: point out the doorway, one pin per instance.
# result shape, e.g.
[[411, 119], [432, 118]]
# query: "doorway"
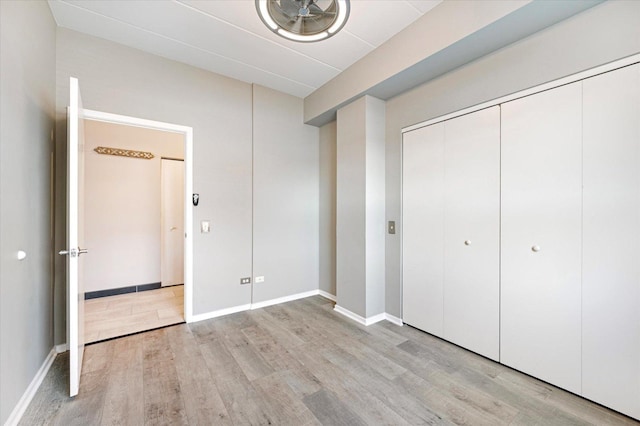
[[137, 175]]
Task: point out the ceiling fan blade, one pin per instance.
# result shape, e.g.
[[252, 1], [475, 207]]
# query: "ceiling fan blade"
[[297, 26], [314, 9], [290, 8]]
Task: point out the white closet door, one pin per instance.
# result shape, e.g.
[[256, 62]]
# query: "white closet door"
[[611, 226], [423, 230], [541, 235], [472, 232], [172, 221]]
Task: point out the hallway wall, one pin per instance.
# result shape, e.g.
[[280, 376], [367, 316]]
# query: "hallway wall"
[[122, 205], [27, 84]]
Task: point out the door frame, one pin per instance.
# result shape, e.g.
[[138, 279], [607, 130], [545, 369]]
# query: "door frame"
[[187, 132]]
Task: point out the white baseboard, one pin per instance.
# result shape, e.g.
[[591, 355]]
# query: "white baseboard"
[[347, 313], [393, 320], [367, 321], [61, 348], [327, 295], [284, 299], [357, 318], [27, 396], [235, 309], [220, 313]]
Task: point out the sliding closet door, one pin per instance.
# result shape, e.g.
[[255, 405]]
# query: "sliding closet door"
[[541, 235], [611, 223], [423, 233], [472, 232]]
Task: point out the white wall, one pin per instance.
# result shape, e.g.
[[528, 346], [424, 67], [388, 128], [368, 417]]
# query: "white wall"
[[328, 208], [599, 35], [122, 205], [285, 197], [27, 107]]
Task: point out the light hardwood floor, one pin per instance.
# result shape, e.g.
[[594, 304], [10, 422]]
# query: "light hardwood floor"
[[299, 363], [113, 316]]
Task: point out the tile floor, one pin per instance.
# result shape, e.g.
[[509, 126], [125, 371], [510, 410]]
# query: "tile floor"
[[113, 316]]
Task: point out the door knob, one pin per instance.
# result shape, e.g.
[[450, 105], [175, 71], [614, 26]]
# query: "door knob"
[[467, 242], [73, 252], [535, 249]]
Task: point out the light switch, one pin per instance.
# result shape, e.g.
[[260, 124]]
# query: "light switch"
[[392, 227], [205, 226]]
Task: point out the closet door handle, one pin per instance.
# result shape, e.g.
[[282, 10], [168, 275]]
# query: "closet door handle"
[[467, 242], [535, 249]]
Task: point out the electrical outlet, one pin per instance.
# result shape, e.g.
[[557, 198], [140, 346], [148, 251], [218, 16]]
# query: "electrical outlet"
[[246, 280], [259, 280]]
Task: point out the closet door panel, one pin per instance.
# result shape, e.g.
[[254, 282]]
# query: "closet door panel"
[[422, 235], [541, 235], [472, 232], [611, 227]]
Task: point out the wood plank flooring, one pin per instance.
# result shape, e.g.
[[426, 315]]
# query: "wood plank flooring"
[[114, 316], [299, 363]]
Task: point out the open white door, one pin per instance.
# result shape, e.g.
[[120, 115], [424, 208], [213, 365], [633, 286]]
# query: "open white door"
[[172, 184], [75, 236]]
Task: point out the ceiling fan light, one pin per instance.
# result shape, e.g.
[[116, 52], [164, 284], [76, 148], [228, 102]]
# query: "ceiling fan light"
[[343, 13], [298, 37], [303, 21], [263, 10]]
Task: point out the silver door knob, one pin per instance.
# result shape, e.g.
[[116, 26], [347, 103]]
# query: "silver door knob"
[[467, 243], [73, 252], [535, 249]]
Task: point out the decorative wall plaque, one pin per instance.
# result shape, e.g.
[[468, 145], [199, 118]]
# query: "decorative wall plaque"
[[124, 152]]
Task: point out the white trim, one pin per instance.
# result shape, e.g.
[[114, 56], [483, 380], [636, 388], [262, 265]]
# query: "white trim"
[[251, 306], [27, 396], [108, 117], [327, 295], [393, 320], [220, 313], [630, 60], [357, 318], [284, 299], [61, 348], [188, 185]]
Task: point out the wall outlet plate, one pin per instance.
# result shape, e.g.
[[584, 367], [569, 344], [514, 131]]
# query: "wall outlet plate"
[[259, 279], [246, 280]]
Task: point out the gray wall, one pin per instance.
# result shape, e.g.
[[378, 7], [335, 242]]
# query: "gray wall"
[[360, 207], [350, 205], [27, 84], [599, 35], [375, 206], [328, 208], [285, 197], [121, 80]]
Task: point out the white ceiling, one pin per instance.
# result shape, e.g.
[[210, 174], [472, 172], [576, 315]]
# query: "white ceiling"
[[228, 37]]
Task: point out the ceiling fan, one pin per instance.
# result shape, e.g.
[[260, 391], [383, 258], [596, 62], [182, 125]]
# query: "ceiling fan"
[[304, 20]]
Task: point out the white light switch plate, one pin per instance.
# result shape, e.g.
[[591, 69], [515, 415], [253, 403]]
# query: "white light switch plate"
[[259, 280], [205, 226]]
